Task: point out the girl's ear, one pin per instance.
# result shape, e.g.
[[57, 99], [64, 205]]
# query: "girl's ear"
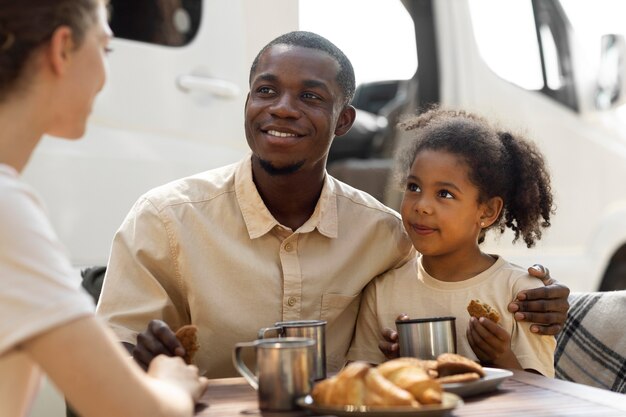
[[60, 50], [491, 211]]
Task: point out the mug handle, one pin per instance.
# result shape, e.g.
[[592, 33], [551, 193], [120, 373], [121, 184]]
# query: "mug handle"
[[279, 331], [241, 366]]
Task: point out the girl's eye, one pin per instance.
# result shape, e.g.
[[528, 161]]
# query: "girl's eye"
[[411, 186], [265, 90], [445, 194]]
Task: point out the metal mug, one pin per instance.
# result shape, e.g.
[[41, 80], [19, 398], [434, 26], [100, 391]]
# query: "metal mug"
[[312, 329], [284, 370], [426, 338]]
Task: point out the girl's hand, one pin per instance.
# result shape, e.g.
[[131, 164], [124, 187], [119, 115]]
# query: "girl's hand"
[[491, 343], [389, 344]]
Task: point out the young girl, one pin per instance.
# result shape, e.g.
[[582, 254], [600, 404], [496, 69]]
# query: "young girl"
[[52, 64], [462, 178]]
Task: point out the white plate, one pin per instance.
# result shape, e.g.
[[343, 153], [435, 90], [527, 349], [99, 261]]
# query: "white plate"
[[492, 379], [450, 401]]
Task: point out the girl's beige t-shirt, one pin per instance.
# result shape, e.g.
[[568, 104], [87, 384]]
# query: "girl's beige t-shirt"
[[39, 289], [413, 291]]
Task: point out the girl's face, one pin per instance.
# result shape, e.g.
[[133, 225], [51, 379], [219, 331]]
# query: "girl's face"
[[85, 77], [440, 208]]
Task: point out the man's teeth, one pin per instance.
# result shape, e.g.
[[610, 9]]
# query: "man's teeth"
[[280, 134]]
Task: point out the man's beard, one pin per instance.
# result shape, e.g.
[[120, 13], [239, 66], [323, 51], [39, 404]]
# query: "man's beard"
[[274, 171]]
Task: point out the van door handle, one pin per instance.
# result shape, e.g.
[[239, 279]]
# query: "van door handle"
[[213, 86]]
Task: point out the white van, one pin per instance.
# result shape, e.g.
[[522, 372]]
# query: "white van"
[[173, 106]]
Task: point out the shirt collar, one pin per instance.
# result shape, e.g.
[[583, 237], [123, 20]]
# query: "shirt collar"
[[260, 221], [8, 170]]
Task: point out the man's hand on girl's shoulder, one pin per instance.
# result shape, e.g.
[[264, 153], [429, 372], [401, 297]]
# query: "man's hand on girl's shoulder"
[[546, 307]]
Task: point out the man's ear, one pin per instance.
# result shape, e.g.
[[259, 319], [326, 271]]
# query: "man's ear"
[[60, 50], [491, 211], [345, 121]]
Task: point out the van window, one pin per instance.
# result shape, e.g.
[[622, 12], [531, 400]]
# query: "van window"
[[378, 36], [507, 40], [527, 46], [162, 22], [590, 21]]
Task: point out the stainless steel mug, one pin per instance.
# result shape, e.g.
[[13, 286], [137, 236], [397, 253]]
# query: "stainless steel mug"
[[312, 329], [284, 370], [427, 338]]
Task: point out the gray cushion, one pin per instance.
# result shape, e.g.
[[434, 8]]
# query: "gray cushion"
[[591, 349]]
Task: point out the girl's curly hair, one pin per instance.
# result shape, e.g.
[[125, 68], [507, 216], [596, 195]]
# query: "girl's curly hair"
[[499, 164]]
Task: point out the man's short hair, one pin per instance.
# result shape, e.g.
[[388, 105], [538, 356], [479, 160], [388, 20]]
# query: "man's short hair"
[[345, 77]]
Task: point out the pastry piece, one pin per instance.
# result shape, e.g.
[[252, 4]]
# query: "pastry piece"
[[451, 364], [478, 309], [348, 386], [188, 337], [323, 390], [360, 384], [453, 379], [411, 375], [381, 391]]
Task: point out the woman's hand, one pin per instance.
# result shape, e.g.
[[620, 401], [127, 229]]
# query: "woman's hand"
[[175, 372], [546, 307]]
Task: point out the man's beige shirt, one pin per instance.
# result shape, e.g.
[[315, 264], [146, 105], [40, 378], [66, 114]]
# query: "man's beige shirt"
[[205, 250]]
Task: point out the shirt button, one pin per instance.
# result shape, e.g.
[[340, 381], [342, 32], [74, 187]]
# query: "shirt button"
[[291, 301], [288, 247]]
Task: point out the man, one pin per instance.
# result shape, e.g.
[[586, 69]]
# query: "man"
[[271, 238]]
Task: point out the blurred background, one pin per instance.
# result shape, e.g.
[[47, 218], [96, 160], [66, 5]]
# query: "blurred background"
[[173, 106]]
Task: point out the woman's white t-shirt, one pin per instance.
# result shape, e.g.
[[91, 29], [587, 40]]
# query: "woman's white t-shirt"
[[39, 289]]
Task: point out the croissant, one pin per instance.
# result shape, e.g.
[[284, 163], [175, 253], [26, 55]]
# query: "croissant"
[[410, 374], [381, 391], [345, 388], [361, 384]]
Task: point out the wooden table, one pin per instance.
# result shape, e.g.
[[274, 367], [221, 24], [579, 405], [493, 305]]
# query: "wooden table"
[[524, 394]]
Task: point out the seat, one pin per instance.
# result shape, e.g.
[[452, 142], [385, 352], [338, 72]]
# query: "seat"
[[591, 349]]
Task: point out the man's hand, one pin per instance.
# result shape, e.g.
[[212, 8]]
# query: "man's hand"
[[157, 339], [546, 307], [389, 344]]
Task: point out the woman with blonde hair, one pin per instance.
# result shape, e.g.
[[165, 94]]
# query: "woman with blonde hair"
[[52, 65]]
